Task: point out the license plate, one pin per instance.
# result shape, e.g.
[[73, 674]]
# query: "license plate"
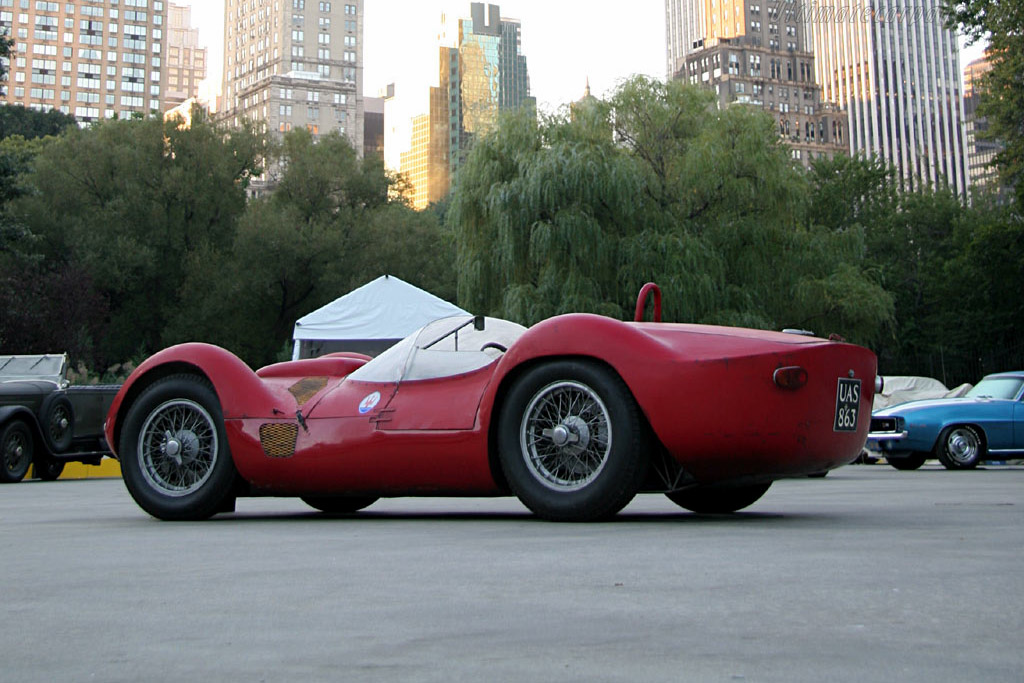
[[847, 405]]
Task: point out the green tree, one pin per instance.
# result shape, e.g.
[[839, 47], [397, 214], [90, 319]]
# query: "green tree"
[[1001, 22], [6, 43], [30, 123], [575, 212], [130, 202], [328, 227]]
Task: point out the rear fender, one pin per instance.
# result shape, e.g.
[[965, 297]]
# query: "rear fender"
[[636, 357]]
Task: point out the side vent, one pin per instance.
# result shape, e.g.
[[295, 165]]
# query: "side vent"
[[278, 439]]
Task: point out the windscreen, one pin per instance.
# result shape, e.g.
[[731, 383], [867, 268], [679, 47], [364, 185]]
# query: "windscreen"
[[443, 348], [997, 387]]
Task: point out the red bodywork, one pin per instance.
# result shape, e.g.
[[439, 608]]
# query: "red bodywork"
[[707, 392]]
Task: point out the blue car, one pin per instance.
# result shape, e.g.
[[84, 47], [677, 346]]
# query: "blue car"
[[985, 424]]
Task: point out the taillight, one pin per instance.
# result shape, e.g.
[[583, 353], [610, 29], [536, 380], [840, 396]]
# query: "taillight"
[[790, 377]]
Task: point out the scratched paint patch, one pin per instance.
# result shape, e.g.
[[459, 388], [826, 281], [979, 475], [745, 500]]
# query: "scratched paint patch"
[[369, 403]]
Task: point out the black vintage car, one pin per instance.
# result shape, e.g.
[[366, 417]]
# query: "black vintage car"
[[45, 422]]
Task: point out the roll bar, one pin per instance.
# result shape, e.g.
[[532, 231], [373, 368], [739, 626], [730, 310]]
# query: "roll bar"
[[641, 302]]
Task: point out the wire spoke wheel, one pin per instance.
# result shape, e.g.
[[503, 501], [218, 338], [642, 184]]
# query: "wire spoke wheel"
[[178, 447], [566, 435], [570, 441]]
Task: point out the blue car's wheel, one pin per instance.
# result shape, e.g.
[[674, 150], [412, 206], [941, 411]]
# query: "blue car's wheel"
[[960, 447]]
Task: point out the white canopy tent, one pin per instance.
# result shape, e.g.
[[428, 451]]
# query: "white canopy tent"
[[368, 319]]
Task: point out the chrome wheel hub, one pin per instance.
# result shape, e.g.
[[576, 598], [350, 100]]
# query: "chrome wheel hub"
[[962, 446], [178, 447], [565, 435]]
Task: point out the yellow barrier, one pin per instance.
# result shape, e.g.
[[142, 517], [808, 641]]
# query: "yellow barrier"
[[108, 467]]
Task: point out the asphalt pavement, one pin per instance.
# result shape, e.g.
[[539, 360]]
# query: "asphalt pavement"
[[869, 574]]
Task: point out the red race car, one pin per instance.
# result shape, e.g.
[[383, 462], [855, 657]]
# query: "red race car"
[[574, 415]]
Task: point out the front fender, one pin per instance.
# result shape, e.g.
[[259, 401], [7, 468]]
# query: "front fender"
[[241, 392]]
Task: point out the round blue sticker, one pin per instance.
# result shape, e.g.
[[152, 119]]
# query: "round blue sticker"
[[369, 403]]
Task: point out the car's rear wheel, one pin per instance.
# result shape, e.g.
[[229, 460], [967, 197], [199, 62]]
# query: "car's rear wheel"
[[174, 452], [58, 422], [718, 499], [909, 462], [571, 441], [960, 448], [16, 448], [339, 504]]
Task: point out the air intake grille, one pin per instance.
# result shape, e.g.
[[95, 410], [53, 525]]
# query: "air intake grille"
[[278, 439], [307, 388]]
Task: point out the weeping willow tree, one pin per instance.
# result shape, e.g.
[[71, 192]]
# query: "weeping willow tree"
[[574, 212]]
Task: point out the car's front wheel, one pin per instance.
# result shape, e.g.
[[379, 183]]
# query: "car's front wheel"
[[718, 499], [909, 462], [571, 441], [174, 452], [16, 447], [960, 448]]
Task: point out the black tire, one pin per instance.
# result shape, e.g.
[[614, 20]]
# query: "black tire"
[[174, 452], [960, 447], [47, 468], [910, 462], [339, 504], [16, 449], [57, 421], [571, 441], [718, 499]]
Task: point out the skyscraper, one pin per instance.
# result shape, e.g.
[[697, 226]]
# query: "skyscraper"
[[486, 73], [756, 54], [186, 60], [483, 74], [94, 59], [895, 68], [295, 64], [684, 31], [981, 150]]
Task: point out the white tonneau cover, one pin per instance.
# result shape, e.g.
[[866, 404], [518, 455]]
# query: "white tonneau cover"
[[900, 389]]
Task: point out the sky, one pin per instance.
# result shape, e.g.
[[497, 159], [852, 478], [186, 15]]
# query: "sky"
[[566, 43]]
